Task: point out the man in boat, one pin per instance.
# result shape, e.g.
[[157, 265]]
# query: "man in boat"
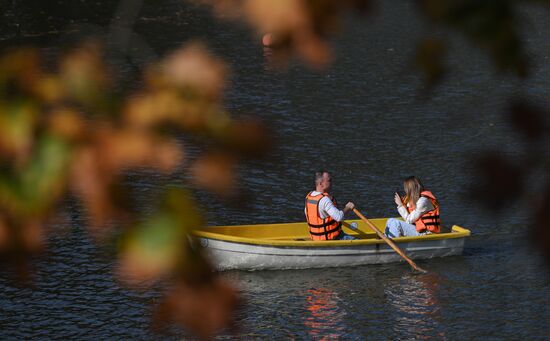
[[323, 217], [419, 209]]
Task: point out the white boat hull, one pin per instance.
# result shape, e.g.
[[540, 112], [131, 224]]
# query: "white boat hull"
[[229, 255]]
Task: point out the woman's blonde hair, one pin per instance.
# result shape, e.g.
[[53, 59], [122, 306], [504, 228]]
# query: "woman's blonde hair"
[[413, 187]]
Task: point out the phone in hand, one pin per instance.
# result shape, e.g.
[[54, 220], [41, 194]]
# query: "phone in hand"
[[400, 196]]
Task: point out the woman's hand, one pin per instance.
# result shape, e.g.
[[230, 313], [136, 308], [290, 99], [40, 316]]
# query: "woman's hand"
[[398, 200]]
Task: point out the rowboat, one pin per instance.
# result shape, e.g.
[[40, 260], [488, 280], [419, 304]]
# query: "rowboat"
[[288, 246]]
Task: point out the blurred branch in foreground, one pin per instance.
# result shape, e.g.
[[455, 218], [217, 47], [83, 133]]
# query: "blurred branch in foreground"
[[67, 133], [305, 27], [301, 27]]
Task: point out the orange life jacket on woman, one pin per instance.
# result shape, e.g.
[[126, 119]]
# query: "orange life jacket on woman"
[[319, 228], [429, 221]]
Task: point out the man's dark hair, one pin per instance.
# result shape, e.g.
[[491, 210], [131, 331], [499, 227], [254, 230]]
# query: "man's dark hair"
[[319, 176]]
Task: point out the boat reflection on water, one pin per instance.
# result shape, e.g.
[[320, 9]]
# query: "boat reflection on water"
[[417, 310], [326, 318], [268, 58]]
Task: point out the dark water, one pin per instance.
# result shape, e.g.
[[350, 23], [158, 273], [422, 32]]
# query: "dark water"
[[362, 119]]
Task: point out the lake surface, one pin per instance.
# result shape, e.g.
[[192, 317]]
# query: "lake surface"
[[363, 120]]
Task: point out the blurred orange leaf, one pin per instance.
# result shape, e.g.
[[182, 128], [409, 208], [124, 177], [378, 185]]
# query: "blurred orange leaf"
[[152, 250], [17, 124], [32, 236], [215, 172], [66, 123], [430, 54], [249, 136], [193, 67], [84, 76], [204, 309], [21, 68], [125, 149]]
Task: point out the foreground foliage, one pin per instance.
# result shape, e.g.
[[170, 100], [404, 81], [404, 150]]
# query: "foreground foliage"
[[67, 133]]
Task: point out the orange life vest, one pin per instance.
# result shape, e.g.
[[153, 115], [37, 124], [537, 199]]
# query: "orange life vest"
[[319, 228], [430, 220]]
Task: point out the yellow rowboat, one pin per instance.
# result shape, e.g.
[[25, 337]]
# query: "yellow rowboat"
[[288, 246]]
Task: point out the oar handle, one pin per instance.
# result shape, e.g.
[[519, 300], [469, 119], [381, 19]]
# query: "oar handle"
[[388, 241]]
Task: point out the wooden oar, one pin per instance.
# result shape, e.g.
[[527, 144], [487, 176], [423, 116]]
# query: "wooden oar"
[[389, 242]]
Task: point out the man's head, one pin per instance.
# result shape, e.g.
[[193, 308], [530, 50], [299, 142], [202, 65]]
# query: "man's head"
[[322, 181]]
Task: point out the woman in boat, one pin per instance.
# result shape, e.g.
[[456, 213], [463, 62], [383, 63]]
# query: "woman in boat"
[[419, 209], [323, 217]]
